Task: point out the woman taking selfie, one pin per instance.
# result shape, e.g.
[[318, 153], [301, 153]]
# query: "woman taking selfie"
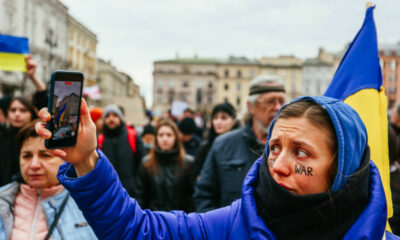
[[315, 180], [223, 120], [164, 177], [39, 207]]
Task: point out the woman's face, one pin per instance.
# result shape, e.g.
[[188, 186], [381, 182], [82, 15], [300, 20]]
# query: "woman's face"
[[300, 156], [222, 122], [166, 138], [19, 114], [38, 167]]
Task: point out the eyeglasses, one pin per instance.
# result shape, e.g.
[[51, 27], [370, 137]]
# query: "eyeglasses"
[[271, 102]]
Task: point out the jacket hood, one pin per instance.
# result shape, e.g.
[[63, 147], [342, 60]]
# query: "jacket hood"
[[350, 132]]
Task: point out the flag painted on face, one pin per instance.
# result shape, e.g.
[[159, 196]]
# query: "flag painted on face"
[[358, 82], [13, 51]]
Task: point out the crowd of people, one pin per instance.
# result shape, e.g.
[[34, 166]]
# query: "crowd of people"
[[286, 171]]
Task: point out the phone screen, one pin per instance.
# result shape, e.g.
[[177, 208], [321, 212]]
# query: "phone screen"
[[65, 110]]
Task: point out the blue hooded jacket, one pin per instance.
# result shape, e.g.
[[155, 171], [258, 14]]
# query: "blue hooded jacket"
[[114, 215]]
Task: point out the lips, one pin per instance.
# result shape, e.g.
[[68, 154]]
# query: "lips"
[[283, 185]]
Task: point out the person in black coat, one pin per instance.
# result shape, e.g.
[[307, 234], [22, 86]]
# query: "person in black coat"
[[191, 142], [20, 113], [223, 120], [164, 182], [124, 157]]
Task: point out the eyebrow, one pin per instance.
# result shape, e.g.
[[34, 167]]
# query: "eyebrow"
[[295, 142]]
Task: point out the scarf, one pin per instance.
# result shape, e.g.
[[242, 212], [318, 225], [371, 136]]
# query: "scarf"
[[315, 216]]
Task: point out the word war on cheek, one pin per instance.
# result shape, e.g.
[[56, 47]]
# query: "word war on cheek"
[[307, 171]]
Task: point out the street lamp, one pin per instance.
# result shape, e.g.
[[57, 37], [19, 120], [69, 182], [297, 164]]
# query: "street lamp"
[[50, 40]]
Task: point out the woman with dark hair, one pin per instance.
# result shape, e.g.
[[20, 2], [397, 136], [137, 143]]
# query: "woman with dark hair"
[[315, 180], [38, 206], [20, 113], [223, 120], [164, 176]]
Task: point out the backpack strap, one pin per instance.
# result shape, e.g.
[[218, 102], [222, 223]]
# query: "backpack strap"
[[100, 141], [132, 138]]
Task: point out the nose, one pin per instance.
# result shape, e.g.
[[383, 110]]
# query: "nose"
[[35, 163], [277, 105], [281, 165]]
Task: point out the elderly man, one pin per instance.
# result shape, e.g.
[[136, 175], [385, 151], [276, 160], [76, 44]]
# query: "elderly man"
[[233, 153]]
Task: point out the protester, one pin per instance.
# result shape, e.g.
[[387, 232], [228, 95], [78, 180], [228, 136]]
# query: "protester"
[[39, 207], [394, 159], [315, 181], [122, 145], [232, 154], [164, 177], [223, 120], [4, 103], [96, 114], [191, 141], [20, 113], [148, 137]]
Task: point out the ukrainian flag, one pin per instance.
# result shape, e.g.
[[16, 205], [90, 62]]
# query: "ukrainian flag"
[[13, 51], [358, 82], [61, 114]]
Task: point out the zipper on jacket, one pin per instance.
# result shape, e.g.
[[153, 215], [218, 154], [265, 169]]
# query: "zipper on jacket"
[[37, 210]]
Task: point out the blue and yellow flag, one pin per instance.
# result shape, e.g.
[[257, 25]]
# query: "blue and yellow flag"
[[13, 51], [358, 82], [61, 114]]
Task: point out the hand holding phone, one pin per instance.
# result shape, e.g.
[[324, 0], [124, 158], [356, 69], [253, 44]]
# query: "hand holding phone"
[[64, 107], [83, 155]]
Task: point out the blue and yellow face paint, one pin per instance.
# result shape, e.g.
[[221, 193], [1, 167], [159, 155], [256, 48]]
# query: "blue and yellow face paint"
[[13, 51]]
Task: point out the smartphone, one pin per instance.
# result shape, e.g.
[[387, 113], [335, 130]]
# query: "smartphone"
[[64, 106]]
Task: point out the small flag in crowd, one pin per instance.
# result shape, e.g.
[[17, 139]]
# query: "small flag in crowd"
[[358, 82], [92, 92], [13, 51]]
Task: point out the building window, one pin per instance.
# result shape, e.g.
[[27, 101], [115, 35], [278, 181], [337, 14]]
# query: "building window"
[[226, 87], [239, 74], [238, 101], [225, 99], [184, 97], [238, 86], [171, 83], [293, 87], [210, 85], [392, 90], [170, 96], [199, 84], [226, 73], [199, 96], [392, 77], [251, 73], [393, 64], [185, 83], [382, 63], [209, 99], [159, 82], [159, 97]]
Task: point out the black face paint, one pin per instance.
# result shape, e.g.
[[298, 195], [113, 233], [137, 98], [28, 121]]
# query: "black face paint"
[[271, 162], [303, 170]]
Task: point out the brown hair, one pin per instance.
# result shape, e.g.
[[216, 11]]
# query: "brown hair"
[[152, 164], [31, 108], [317, 115], [26, 132]]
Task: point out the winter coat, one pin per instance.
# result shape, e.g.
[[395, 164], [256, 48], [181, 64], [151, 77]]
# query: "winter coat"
[[114, 215], [225, 168], [126, 163], [192, 145], [71, 225], [9, 157], [168, 189]]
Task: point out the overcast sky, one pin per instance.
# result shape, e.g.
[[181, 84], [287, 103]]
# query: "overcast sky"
[[133, 33]]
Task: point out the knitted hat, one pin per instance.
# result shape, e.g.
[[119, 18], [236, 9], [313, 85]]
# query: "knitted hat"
[[226, 108], [187, 126], [112, 108], [148, 129], [96, 113]]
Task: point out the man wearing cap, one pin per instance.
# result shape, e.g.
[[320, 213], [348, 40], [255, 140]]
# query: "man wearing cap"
[[191, 142], [124, 153], [233, 153]]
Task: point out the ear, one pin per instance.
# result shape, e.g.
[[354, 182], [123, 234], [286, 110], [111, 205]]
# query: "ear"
[[250, 107]]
